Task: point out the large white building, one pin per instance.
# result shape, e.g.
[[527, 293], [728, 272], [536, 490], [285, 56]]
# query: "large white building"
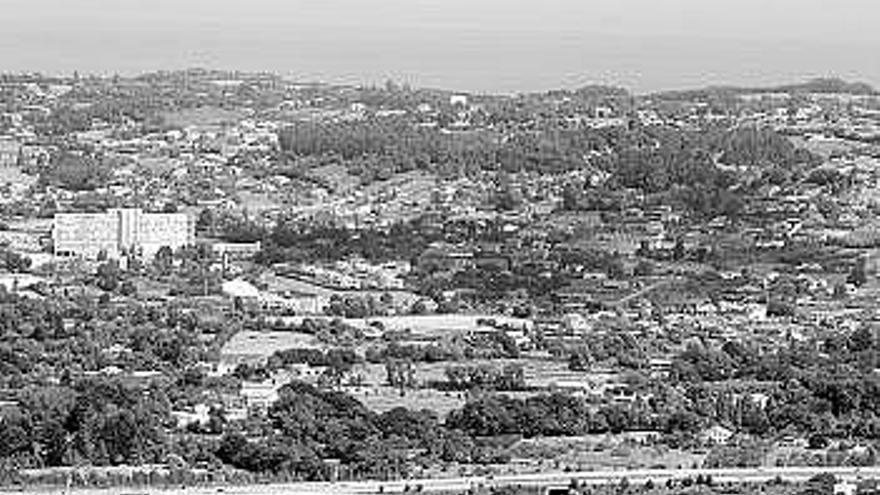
[[9, 152], [116, 231]]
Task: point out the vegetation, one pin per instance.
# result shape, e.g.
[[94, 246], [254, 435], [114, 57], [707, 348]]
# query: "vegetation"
[[76, 173]]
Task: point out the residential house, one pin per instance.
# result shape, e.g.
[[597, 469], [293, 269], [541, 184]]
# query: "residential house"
[[716, 435]]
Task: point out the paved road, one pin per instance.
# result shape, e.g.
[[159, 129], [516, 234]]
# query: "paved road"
[[462, 484]]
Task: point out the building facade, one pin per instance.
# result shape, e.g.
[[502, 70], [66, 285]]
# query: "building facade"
[[9, 152], [119, 231]]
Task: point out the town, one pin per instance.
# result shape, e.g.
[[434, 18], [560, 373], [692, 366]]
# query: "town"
[[212, 277]]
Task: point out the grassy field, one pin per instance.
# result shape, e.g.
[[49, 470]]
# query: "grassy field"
[[825, 147], [257, 202], [15, 176], [288, 284], [439, 325], [595, 452], [428, 326], [384, 398], [337, 177], [379, 397], [253, 346], [538, 373]]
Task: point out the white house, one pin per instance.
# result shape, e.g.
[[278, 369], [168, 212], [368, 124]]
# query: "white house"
[[259, 395], [716, 435], [845, 488]]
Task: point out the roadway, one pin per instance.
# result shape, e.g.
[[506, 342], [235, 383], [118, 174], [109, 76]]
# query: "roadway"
[[461, 484]]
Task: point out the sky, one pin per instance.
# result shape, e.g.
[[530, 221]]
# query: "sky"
[[469, 45]]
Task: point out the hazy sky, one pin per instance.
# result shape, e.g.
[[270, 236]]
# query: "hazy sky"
[[481, 45]]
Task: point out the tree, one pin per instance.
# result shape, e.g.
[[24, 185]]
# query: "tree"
[[616, 270], [644, 268], [109, 275], [127, 288], [400, 373], [858, 275], [419, 426], [456, 446], [15, 262], [419, 308], [206, 221], [15, 436], [817, 441], [678, 252], [571, 197], [216, 421], [338, 365], [164, 260], [506, 197], [580, 359], [824, 482], [512, 378], [77, 173], [861, 340], [780, 308]]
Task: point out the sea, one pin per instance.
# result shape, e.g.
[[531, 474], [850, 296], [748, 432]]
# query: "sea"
[[473, 60]]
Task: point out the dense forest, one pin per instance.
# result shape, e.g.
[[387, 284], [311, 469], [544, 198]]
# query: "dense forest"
[[688, 167]]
